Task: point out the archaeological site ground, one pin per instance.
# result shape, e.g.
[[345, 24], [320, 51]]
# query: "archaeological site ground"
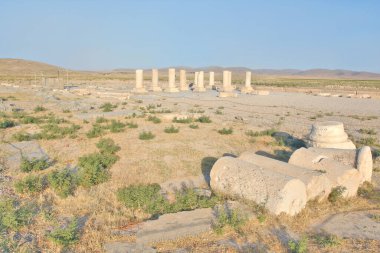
[[187, 160]]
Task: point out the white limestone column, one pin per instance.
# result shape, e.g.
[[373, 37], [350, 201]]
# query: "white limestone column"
[[247, 88], [171, 86], [211, 82], [139, 82], [182, 80], [227, 81], [155, 86], [200, 87], [196, 74]]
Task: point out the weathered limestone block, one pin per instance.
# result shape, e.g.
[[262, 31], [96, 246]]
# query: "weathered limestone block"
[[247, 87], [329, 134], [338, 173], [200, 85], [227, 86], [171, 85], [278, 192], [361, 159], [155, 86], [182, 80], [318, 186], [139, 82]]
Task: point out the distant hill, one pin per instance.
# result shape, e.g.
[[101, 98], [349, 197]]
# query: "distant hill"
[[21, 67], [25, 67]]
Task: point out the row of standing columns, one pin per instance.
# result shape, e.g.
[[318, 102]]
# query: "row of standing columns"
[[183, 86]]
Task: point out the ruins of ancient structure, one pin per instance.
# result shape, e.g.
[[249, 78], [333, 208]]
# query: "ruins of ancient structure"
[[247, 87], [171, 85], [139, 82], [155, 86], [329, 134], [183, 81], [211, 81], [200, 82]]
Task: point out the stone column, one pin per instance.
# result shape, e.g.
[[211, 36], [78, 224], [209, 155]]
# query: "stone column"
[[196, 74], [247, 88], [211, 82], [171, 86], [155, 86], [227, 87], [182, 80], [200, 87], [139, 82]]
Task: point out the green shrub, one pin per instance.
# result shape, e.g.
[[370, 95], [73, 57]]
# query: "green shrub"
[[268, 132], [7, 123], [107, 107], [116, 126], [193, 126], [225, 131], [14, 215], [204, 119], [146, 136], [328, 240], [100, 120], [171, 130], [63, 182], [336, 194], [224, 219], [132, 125], [53, 131], [108, 146], [22, 136], [66, 236], [96, 131], [30, 184], [219, 112], [298, 247], [368, 131], [39, 108], [189, 200], [51, 119], [30, 120], [93, 168], [154, 119], [34, 164], [182, 120], [143, 197]]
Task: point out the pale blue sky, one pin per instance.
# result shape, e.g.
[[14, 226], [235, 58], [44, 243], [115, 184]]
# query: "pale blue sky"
[[85, 34]]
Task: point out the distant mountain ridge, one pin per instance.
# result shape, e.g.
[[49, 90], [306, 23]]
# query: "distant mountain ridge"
[[26, 67]]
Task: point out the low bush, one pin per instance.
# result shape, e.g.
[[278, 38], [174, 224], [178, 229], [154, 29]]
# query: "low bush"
[[7, 124], [336, 194], [146, 136], [107, 107], [225, 131], [31, 184], [327, 240], [154, 119], [66, 236], [193, 126], [268, 132], [62, 182], [132, 125], [204, 119], [232, 219], [96, 131], [100, 120], [39, 108], [182, 120], [116, 126], [171, 130], [298, 246], [22, 136], [107, 146], [34, 164], [54, 131], [14, 215], [30, 120]]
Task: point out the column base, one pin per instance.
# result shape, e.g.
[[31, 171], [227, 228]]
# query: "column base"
[[224, 94], [172, 89], [139, 90], [157, 89], [246, 90]]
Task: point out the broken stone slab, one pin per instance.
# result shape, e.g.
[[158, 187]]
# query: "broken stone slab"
[[124, 247], [329, 134], [12, 153], [279, 193], [175, 225], [318, 186], [197, 183], [338, 173], [356, 225], [360, 159]]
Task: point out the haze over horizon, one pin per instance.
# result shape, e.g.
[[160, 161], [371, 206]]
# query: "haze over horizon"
[[104, 35]]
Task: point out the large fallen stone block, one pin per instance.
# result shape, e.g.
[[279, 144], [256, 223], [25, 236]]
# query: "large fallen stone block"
[[175, 225], [338, 173], [12, 153], [329, 134], [279, 193], [361, 159], [318, 186]]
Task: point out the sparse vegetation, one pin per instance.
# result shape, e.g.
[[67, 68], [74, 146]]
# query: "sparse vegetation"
[[39, 108], [232, 219], [368, 131], [34, 164], [146, 136], [31, 184], [299, 246], [66, 236], [107, 107], [225, 131], [193, 126], [268, 132], [154, 119], [171, 130], [204, 119], [63, 182], [7, 124], [96, 131], [132, 125], [336, 194], [182, 120], [15, 215], [327, 240]]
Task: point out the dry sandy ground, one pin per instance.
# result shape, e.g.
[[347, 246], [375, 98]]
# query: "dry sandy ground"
[[187, 153]]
